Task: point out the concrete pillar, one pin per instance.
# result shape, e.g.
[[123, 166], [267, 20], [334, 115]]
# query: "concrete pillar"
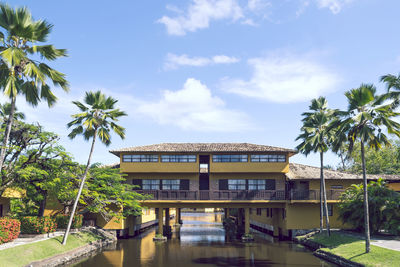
[[160, 221], [246, 220], [226, 211], [167, 217], [177, 216], [275, 221]]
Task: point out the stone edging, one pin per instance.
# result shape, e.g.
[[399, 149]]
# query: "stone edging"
[[78, 253], [317, 251]]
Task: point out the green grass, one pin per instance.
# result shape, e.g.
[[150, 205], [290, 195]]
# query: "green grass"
[[25, 254], [353, 248]]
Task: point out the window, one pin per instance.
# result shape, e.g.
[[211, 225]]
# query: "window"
[[270, 184], [151, 184], [178, 158], [330, 210], [140, 158], [268, 158], [170, 184], [237, 184], [337, 187], [250, 210], [230, 158], [258, 211], [256, 184], [283, 214]]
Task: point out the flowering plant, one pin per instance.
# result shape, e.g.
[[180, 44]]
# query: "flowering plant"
[[37, 225], [9, 229]]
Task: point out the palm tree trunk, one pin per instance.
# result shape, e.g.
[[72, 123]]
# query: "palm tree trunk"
[[321, 210], [366, 209], [324, 194], [7, 133], [80, 190]]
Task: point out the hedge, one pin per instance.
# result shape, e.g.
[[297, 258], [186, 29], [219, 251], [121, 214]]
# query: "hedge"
[[62, 221], [37, 225], [9, 229]]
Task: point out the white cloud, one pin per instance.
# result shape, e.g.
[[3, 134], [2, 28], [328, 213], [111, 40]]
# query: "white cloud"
[[335, 6], [194, 108], [283, 79], [199, 14], [174, 61]]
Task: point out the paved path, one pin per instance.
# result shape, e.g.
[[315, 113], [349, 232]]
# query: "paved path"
[[386, 243], [22, 241]]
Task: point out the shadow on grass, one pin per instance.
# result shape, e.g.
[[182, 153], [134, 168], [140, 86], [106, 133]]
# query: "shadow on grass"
[[334, 240], [358, 255]]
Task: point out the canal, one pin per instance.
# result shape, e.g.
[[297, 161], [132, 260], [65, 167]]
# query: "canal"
[[201, 241]]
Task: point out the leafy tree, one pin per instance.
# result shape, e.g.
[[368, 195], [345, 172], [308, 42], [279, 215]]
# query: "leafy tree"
[[384, 161], [29, 144], [97, 119], [21, 71], [316, 137], [5, 111], [384, 207], [367, 115]]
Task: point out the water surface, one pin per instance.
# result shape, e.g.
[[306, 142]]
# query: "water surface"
[[201, 241]]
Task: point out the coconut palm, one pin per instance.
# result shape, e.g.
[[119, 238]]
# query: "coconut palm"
[[21, 73], [316, 137], [365, 120], [97, 119]]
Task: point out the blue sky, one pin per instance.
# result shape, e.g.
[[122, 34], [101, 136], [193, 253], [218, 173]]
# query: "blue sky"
[[214, 70]]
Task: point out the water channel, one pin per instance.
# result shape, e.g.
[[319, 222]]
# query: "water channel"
[[201, 241]]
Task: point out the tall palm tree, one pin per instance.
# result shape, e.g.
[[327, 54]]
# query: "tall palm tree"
[[316, 135], [21, 73], [96, 119], [365, 119]]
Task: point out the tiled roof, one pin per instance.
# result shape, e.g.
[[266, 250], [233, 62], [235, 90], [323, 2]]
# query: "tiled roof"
[[299, 171], [204, 147]]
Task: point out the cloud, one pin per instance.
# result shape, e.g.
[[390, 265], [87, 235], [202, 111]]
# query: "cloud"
[[335, 6], [284, 79], [199, 14], [194, 108], [174, 61]]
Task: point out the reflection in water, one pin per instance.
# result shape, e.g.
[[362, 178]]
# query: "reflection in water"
[[201, 241]]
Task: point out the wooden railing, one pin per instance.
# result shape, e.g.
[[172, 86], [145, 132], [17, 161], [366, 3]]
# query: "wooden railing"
[[331, 194]]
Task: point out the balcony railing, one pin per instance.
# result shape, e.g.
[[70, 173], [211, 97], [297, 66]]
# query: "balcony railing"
[[238, 194]]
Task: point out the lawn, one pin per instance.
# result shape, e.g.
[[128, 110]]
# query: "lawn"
[[25, 254], [353, 248]]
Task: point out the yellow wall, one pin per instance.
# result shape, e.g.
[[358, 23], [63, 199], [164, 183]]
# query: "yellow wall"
[[315, 184], [243, 167], [394, 186]]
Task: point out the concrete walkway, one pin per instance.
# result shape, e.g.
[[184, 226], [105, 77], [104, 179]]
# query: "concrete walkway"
[[386, 243], [28, 240]]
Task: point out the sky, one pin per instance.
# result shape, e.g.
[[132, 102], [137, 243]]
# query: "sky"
[[213, 70]]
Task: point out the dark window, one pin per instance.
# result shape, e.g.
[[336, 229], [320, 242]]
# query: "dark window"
[[184, 184], [270, 184], [140, 158], [138, 183], [170, 184], [267, 213], [237, 184], [259, 211], [268, 158], [178, 158], [330, 210], [283, 214], [223, 184], [250, 210], [337, 187], [153, 184], [270, 212], [256, 184], [230, 158]]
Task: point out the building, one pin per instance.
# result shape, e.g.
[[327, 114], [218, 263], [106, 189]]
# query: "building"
[[272, 194], [8, 194]]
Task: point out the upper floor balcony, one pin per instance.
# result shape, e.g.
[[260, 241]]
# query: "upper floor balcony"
[[283, 195]]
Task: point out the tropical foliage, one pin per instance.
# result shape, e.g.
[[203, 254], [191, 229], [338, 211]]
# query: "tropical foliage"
[[37, 225], [9, 229], [384, 207], [23, 57]]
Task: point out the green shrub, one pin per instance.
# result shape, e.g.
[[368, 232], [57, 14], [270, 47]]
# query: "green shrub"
[[62, 221], [37, 225], [9, 229]]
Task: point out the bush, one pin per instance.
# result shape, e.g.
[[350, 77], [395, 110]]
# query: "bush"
[[37, 225], [9, 229], [62, 221]]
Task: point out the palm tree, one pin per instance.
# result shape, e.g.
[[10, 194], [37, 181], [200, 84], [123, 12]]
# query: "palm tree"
[[20, 71], [5, 111], [316, 137], [365, 119], [97, 118]]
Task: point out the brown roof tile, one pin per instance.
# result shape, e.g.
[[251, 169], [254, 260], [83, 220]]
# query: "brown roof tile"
[[204, 147], [299, 171]]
